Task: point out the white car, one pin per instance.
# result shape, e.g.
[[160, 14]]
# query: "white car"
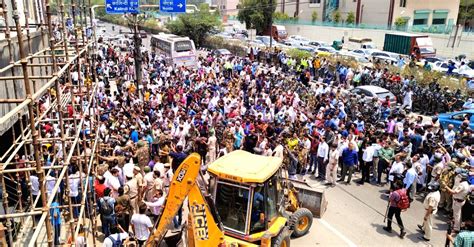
[[370, 92], [362, 52], [302, 40], [326, 49], [443, 67], [318, 44]]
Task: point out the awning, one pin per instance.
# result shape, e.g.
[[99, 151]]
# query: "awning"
[[440, 11], [440, 14], [423, 11], [421, 14]]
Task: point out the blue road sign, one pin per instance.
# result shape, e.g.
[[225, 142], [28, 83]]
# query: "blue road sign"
[[133, 6], [173, 6], [121, 6]]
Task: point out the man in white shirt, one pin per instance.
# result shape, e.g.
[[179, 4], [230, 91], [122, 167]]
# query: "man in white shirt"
[[34, 185], [74, 183], [367, 157], [449, 135], [156, 204], [112, 181], [323, 155], [407, 99], [141, 225], [116, 237], [396, 170]]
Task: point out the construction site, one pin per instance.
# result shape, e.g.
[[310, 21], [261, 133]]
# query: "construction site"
[[47, 79]]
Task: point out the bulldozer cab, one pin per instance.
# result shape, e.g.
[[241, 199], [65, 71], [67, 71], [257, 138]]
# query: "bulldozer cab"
[[248, 195]]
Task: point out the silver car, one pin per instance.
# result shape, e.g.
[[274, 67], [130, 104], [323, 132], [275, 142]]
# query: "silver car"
[[369, 92]]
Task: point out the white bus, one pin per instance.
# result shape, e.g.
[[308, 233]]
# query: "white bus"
[[178, 50]]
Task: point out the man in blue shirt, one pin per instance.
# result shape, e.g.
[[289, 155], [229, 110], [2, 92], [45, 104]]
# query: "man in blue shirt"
[[451, 67], [410, 177], [349, 161], [55, 213], [134, 134]]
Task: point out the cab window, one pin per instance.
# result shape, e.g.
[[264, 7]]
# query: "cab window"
[[461, 116], [271, 204], [257, 217]]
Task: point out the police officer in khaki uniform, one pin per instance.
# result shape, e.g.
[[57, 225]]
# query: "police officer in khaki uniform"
[[459, 193], [132, 189], [137, 174], [431, 207], [446, 180]]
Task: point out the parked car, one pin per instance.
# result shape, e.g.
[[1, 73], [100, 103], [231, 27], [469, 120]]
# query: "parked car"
[[318, 44], [302, 40], [379, 54], [326, 49], [222, 52], [297, 45], [374, 91], [384, 59], [471, 64], [363, 52], [266, 40], [443, 67], [124, 43], [456, 118], [143, 34]]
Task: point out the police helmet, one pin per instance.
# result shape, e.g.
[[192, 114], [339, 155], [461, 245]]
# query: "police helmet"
[[433, 186]]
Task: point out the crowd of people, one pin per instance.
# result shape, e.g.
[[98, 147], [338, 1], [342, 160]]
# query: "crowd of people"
[[300, 111]]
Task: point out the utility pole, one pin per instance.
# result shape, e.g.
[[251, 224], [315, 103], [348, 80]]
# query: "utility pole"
[[133, 23], [271, 24], [138, 55]]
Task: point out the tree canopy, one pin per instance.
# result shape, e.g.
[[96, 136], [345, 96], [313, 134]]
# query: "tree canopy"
[[256, 14], [196, 25]]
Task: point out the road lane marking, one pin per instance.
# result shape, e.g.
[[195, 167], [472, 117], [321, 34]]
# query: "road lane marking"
[[338, 233]]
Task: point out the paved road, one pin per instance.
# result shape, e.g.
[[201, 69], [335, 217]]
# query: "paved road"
[[355, 213], [354, 217]]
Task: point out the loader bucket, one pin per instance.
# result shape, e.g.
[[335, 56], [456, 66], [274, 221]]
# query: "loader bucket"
[[310, 198]]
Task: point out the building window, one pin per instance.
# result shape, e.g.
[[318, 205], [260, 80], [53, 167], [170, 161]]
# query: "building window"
[[314, 3], [439, 17], [403, 3], [421, 17], [439, 21], [420, 22]]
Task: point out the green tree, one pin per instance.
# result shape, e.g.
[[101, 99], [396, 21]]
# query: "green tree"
[[350, 19], [256, 14], [314, 16], [400, 23], [196, 25], [466, 11], [279, 16], [336, 16]]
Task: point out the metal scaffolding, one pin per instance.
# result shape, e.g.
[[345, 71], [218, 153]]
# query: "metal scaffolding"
[[46, 75]]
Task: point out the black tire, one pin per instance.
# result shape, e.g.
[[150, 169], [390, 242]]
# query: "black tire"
[[283, 239], [301, 216]]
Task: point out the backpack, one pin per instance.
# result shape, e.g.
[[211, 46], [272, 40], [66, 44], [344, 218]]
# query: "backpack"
[[116, 242], [105, 208], [403, 203]]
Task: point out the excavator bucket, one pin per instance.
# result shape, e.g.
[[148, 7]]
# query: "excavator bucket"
[[184, 180], [310, 198]]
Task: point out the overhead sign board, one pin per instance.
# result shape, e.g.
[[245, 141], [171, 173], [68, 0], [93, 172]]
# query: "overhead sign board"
[[173, 6], [121, 6]]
